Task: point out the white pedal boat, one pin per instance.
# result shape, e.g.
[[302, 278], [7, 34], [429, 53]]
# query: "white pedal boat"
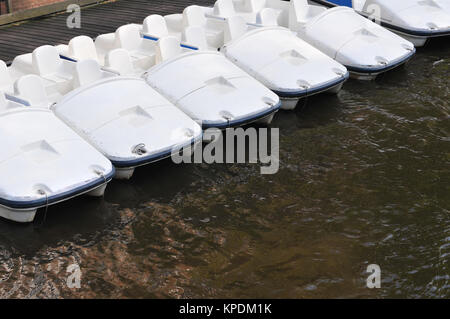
[[415, 20], [273, 55], [123, 117], [204, 85], [40, 162], [365, 48]]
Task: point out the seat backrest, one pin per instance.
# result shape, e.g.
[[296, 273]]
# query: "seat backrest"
[[253, 5], [298, 12], [129, 37], [195, 36], [87, 72], [167, 48], [234, 28], [155, 25], [5, 77], [31, 88], [46, 60], [193, 16], [119, 60], [224, 8], [267, 17], [82, 48]]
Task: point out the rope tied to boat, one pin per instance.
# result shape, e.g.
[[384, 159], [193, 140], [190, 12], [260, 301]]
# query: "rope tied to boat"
[[43, 192], [100, 173], [305, 99]]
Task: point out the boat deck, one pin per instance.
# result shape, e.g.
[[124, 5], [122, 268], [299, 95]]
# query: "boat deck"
[[103, 18]]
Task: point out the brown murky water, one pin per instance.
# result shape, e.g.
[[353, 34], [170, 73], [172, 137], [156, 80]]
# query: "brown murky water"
[[364, 178]]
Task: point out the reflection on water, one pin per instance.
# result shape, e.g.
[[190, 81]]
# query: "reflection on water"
[[364, 178]]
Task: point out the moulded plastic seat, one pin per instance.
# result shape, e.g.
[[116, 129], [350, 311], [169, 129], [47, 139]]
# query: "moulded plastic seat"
[[224, 8], [300, 12], [128, 37], [155, 25], [119, 60], [194, 16], [234, 27], [46, 60], [31, 88], [47, 63], [267, 17], [5, 77], [167, 48], [82, 48], [87, 72], [195, 36], [253, 5]]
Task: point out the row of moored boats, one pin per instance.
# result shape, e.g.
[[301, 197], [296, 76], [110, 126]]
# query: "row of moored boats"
[[72, 117]]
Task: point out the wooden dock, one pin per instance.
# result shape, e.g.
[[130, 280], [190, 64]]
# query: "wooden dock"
[[95, 20]]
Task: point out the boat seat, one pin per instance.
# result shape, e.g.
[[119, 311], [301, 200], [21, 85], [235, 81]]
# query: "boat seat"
[[104, 43], [193, 16], [47, 63], [167, 48], [22, 64], [300, 12], [128, 37], [267, 17], [82, 48], [174, 22], [31, 89], [213, 28], [5, 77], [253, 5], [155, 25], [224, 8], [119, 60], [195, 36], [141, 51], [234, 28], [87, 72], [45, 60]]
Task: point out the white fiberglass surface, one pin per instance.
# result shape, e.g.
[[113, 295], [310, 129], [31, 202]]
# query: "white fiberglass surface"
[[120, 113], [265, 52], [414, 14], [363, 43], [39, 152], [205, 84]]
